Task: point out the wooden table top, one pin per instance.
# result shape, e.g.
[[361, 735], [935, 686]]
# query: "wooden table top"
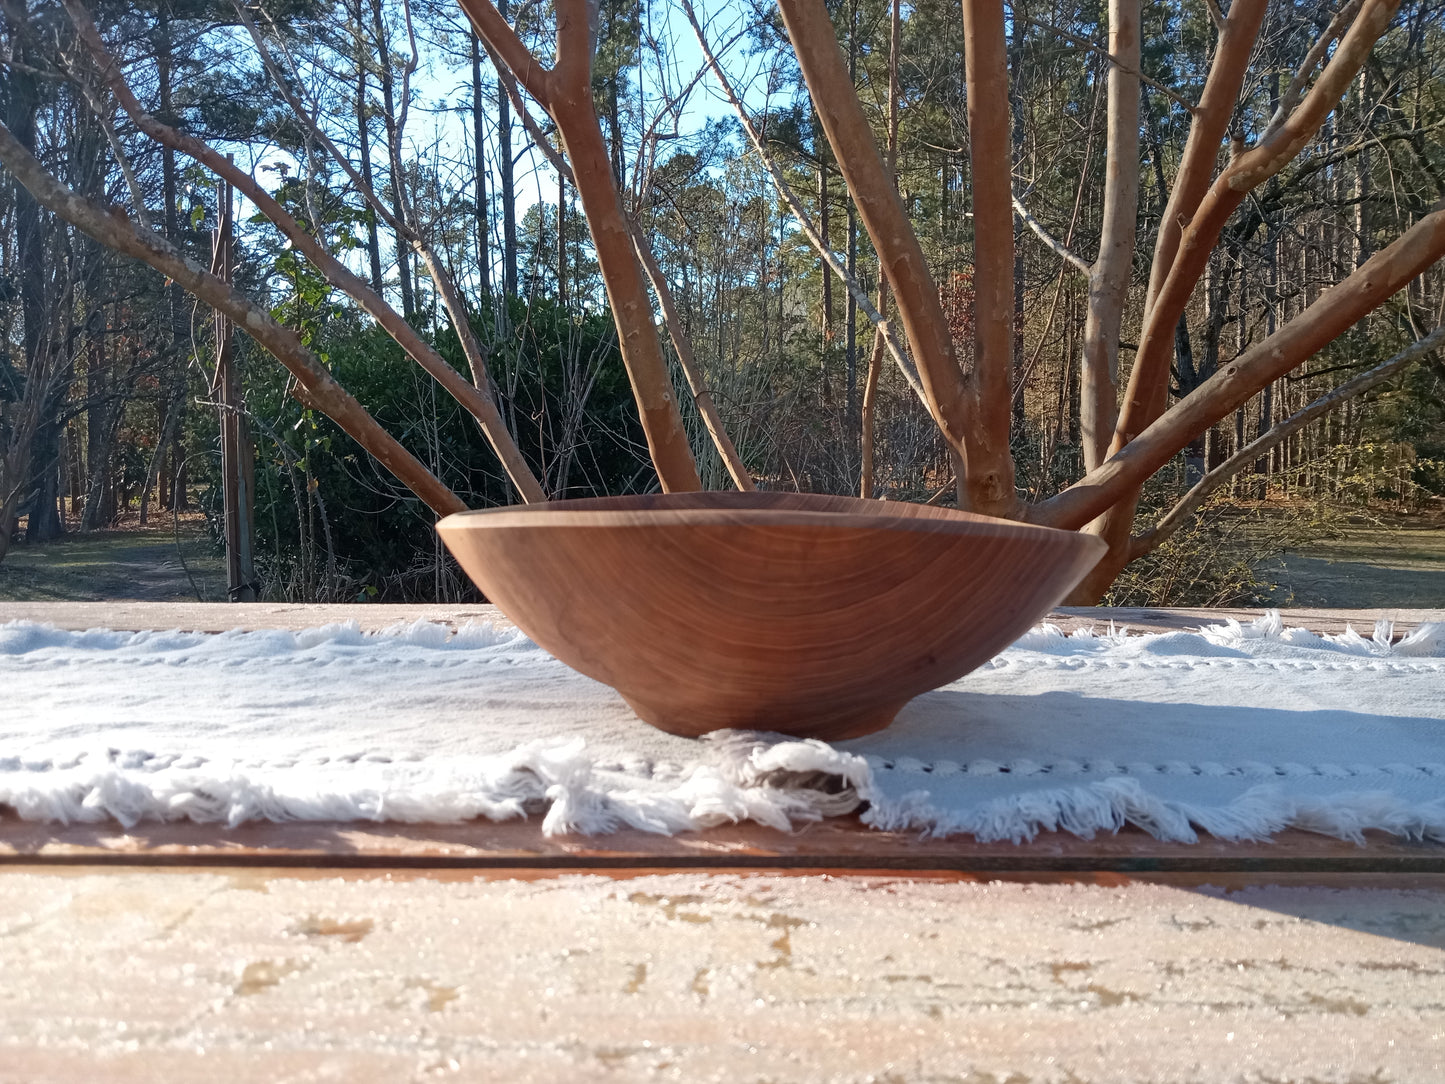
[[838, 846]]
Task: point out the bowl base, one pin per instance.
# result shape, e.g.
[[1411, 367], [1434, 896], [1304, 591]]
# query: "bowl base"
[[835, 726]]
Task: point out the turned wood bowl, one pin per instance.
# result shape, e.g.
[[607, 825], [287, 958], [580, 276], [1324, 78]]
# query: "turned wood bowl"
[[809, 615]]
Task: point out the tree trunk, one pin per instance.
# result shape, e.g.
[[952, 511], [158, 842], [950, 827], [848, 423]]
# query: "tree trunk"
[[173, 382], [1364, 245], [45, 524], [18, 460], [562, 240], [1111, 271], [363, 142], [1016, 113], [990, 482], [170, 416], [850, 309], [506, 178], [99, 427], [398, 174], [850, 337], [237, 456], [868, 420], [826, 316], [479, 155]]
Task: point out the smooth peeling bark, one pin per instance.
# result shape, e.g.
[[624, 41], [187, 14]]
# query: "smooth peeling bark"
[[1333, 313], [901, 257], [317, 388], [1110, 274], [989, 482]]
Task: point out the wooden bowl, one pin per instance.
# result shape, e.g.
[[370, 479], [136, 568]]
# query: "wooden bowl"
[[810, 615]]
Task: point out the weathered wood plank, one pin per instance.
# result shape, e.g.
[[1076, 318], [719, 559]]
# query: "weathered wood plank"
[[222, 616], [255, 975], [839, 844]]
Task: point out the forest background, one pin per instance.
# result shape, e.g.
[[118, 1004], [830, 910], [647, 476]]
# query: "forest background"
[[111, 410]]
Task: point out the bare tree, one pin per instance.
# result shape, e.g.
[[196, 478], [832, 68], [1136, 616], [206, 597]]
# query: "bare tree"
[[1220, 177]]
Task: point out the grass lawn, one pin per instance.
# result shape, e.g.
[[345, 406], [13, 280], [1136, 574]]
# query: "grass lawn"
[[141, 563], [1396, 564]]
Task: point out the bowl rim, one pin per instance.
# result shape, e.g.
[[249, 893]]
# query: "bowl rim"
[[574, 514]]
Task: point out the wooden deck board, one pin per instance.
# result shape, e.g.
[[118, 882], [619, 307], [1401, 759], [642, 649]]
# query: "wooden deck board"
[[839, 845], [263, 976]]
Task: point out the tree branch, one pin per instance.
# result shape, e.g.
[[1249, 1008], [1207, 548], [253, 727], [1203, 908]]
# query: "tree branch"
[[1052, 243], [800, 213], [1333, 313], [1148, 385], [503, 41], [1195, 218], [476, 398], [567, 97], [696, 379], [1250, 453], [316, 386], [950, 400]]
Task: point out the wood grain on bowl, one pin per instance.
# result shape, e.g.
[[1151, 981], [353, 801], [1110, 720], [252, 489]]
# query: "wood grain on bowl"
[[810, 615]]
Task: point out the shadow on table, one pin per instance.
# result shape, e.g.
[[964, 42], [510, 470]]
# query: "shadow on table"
[[1401, 912], [960, 725]]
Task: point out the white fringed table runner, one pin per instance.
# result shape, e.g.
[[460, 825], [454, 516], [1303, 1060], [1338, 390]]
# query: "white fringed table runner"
[[1240, 731]]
